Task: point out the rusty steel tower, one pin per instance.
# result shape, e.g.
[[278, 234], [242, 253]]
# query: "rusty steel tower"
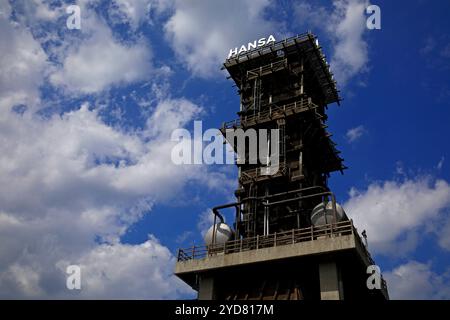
[[290, 238]]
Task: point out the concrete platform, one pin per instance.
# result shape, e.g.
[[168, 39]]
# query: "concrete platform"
[[348, 256]]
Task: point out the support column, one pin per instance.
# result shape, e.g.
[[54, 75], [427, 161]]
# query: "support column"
[[331, 287], [206, 290]]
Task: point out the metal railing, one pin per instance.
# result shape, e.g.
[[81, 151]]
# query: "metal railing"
[[270, 113], [257, 174], [278, 239], [267, 69], [271, 240]]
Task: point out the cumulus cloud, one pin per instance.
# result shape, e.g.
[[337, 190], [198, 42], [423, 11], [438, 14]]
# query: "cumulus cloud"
[[85, 61], [72, 182], [202, 32], [205, 221], [443, 234], [56, 182], [350, 53], [414, 280], [345, 26], [23, 63], [102, 61], [354, 134], [137, 12], [393, 212], [123, 271]]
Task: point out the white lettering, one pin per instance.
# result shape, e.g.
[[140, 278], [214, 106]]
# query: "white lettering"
[[242, 49], [233, 52], [261, 42], [251, 45]]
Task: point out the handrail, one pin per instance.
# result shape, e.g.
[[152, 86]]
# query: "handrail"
[[271, 113], [269, 68], [271, 240]]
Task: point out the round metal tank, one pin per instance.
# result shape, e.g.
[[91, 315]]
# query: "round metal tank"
[[323, 214], [223, 233]]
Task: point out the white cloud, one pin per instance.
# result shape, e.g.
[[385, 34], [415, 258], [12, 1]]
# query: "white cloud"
[[102, 61], [355, 133], [345, 26], [205, 221], [137, 12], [182, 238], [71, 185], [122, 271], [71, 180], [396, 210], [350, 53], [415, 280], [90, 60], [22, 63], [443, 233], [43, 11], [202, 32]]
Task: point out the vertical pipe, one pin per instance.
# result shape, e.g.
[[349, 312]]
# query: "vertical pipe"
[[240, 96], [264, 222], [301, 77], [266, 214], [254, 96], [255, 209], [237, 218], [300, 163], [214, 231]]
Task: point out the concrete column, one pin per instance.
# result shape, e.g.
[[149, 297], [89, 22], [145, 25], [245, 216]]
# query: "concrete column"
[[330, 283], [206, 288]]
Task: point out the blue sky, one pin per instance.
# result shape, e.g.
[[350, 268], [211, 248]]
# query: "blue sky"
[[86, 118]]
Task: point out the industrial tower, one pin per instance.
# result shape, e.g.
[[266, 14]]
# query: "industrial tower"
[[290, 239]]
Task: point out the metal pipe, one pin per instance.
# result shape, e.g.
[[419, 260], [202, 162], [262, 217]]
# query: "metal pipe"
[[297, 190], [299, 198], [216, 210], [214, 230], [283, 193], [236, 204], [266, 215]]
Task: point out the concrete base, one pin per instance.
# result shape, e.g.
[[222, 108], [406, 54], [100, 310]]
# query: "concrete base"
[[206, 288], [322, 268], [330, 282]]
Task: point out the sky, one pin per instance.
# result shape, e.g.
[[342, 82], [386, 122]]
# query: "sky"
[[86, 117]]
